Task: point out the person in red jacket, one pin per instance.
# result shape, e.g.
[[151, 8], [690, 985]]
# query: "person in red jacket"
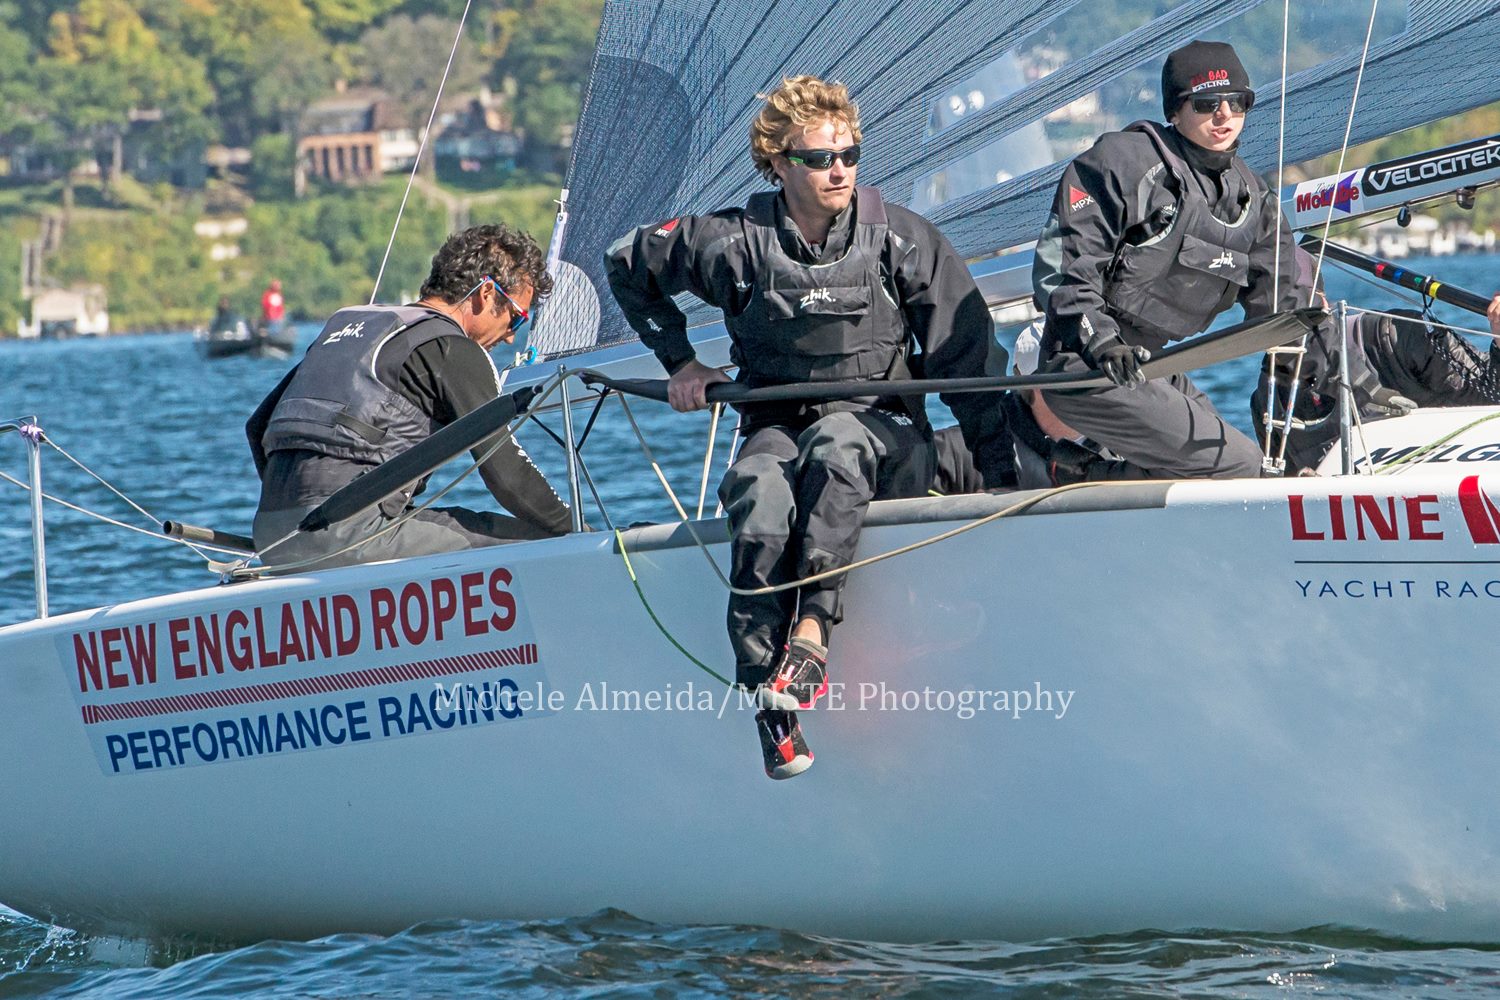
[[273, 307]]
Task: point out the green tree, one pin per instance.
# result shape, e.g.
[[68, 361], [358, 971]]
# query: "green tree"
[[546, 47], [345, 19], [272, 163], [17, 83], [412, 83], [105, 65], [266, 60]]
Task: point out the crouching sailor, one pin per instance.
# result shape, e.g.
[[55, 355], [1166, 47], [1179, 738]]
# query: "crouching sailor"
[[821, 281], [378, 380], [1155, 231], [1397, 361]]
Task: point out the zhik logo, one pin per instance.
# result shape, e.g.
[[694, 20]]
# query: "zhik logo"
[[352, 330], [1225, 259], [816, 295]]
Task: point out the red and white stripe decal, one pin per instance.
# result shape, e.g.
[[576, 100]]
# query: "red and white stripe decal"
[[515, 656]]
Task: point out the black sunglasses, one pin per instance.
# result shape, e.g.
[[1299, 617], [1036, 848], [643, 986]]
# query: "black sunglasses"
[[1208, 104], [822, 159]]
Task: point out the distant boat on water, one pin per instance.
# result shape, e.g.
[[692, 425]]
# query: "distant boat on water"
[[239, 338]]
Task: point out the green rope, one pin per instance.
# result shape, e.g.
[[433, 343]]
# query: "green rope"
[[1431, 446], [620, 541]]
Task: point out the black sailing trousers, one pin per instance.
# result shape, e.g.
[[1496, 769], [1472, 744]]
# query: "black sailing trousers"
[[1165, 429], [796, 498]]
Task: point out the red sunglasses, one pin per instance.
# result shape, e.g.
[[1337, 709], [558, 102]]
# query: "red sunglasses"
[[518, 317]]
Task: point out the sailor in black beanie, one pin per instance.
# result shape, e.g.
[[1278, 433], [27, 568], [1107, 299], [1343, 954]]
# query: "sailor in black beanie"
[[1154, 231], [1202, 69]]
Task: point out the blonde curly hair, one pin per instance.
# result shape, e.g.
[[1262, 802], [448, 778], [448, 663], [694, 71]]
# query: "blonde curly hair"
[[800, 102]]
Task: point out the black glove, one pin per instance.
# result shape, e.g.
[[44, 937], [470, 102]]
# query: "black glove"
[[523, 397], [1121, 363]]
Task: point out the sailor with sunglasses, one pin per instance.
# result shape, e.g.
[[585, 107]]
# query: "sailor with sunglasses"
[[1154, 231], [818, 281], [380, 379]]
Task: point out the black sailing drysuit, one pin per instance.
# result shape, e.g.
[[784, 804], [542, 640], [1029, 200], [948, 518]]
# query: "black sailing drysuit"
[[884, 281], [1413, 357], [1150, 238]]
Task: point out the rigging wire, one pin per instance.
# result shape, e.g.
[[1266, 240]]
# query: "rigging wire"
[[415, 163], [1359, 77], [1286, 21], [1364, 57]]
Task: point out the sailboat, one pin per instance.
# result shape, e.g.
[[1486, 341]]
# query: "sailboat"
[[1280, 715]]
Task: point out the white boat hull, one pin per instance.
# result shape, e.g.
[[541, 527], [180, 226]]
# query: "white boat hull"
[[1243, 726]]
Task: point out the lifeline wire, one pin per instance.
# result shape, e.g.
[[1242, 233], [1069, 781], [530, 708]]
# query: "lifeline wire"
[[1012, 510], [121, 524], [426, 134], [138, 508]]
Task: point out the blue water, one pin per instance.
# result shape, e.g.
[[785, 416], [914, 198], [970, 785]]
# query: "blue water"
[[166, 428]]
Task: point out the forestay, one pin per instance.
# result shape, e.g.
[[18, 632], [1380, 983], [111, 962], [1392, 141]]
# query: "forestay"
[[970, 108]]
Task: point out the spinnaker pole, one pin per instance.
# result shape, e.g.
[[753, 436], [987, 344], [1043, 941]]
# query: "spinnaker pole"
[[1397, 275]]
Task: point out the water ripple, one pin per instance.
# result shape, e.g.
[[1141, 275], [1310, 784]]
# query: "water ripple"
[[612, 954]]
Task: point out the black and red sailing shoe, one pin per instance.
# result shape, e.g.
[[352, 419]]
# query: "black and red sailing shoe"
[[781, 744], [801, 678]]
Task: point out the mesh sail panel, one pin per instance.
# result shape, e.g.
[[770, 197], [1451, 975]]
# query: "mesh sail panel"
[[970, 108]]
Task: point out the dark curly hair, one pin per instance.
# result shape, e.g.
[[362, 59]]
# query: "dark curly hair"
[[508, 255]]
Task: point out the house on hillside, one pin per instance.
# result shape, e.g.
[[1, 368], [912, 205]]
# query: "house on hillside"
[[475, 139], [354, 135], [147, 155], [30, 164]]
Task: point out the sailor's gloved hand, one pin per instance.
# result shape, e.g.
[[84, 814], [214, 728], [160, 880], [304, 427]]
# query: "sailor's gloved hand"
[[523, 397], [1121, 363], [1386, 402]]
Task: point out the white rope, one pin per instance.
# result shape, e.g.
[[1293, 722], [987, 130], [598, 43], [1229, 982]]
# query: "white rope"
[[1012, 510], [426, 134], [708, 457]]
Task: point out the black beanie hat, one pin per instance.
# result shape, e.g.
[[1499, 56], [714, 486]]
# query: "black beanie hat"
[[1201, 68]]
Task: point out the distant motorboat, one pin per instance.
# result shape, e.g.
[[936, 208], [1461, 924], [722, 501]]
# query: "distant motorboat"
[[239, 338]]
